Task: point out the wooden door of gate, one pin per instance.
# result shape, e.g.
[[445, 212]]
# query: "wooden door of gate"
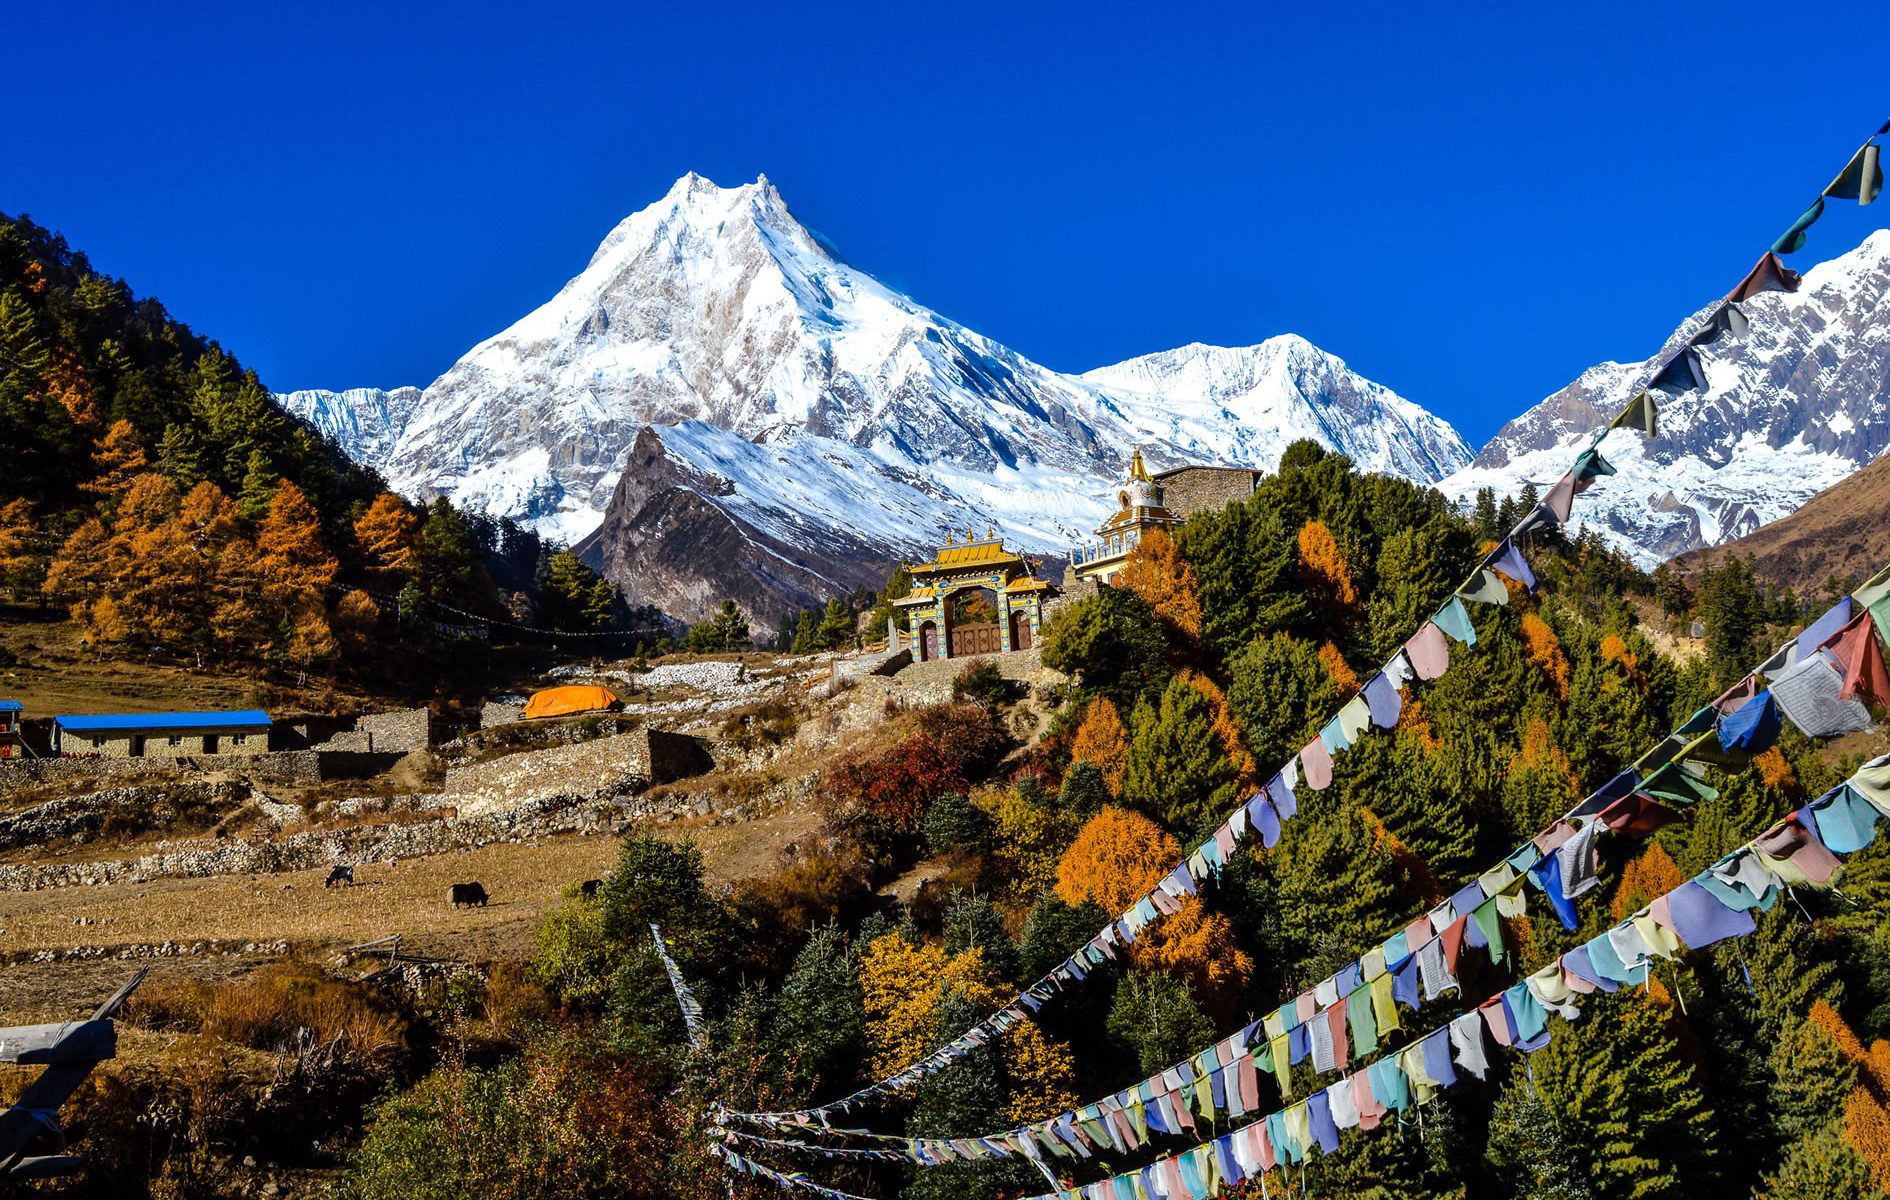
[[968, 640]]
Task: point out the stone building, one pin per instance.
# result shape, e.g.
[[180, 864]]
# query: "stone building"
[[1190, 490], [932, 607], [162, 735], [1159, 501]]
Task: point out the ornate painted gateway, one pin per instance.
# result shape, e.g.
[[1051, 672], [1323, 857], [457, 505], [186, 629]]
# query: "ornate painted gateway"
[[974, 598]]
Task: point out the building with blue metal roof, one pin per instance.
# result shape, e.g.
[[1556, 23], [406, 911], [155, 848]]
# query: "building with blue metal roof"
[[162, 735], [10, 744]]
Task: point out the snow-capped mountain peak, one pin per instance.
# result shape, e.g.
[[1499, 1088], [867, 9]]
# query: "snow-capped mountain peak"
[[715, 312]]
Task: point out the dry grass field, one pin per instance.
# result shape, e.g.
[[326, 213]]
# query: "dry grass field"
[[409, 898]]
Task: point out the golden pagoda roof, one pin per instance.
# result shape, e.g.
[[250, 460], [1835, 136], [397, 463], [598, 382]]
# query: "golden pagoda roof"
[[988, 553], [1028, 583]]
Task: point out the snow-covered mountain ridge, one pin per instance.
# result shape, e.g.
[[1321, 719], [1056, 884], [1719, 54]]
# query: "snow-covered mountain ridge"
[[714, 305], [1797, 404]]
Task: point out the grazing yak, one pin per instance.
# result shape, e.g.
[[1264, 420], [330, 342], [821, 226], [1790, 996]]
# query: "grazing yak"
[[469, 894], [340, 875], [590, 887]]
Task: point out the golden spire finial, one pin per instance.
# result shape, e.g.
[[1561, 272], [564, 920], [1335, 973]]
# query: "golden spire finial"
[[971, 533], [1136, 469], [990, 531], [948, 538]]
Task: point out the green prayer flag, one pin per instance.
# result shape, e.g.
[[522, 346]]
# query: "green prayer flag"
[[1358, 1011], [1490, 925], [1589, 466], [1640, 414], [1862, 177], [1793, 239], [1677, 783], [1455, 620]]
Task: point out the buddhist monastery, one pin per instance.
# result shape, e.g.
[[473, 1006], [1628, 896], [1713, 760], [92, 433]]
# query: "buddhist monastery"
[[1140, 509], [974, 565]]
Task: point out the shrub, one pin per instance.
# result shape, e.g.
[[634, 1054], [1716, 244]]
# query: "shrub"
[[954, 824], [981, 684], [562, 1120]]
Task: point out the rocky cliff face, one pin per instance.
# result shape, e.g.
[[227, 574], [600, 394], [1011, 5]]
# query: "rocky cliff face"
[[1790, 409], [814, 424]]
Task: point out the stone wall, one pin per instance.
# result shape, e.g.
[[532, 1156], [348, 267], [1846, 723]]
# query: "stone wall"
[[285, 766], [397, 732], [931, 682], [494, 713], [1190, 490]]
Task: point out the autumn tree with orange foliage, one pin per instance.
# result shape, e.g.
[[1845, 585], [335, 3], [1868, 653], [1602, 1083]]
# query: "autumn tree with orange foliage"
[[19, 547], [1117, 858], [1324, 563], [296, 569], [1156, 571], [1544, 649], [118, 459], [1650, 875], [1337, 669], [1540, 783], [1102, 739], [389, 536], [1226, 730]]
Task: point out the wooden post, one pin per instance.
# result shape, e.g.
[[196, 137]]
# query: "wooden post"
[[70, 1051]]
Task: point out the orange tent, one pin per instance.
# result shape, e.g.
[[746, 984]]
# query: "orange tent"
[[563, 701]]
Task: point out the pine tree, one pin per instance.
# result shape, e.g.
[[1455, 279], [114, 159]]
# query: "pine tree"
[[971, 923], [806, 635], [1055, 930], [954, 824], [1412, 581], [1821, 1165], [296, 569], [820, 1017], [1281, 694], [259, 486], [836, 626], [969, 1097], [1111, 642], [447, 558], [180, 456], [1532, 1152], [1177, 768], [1085, 790], [1157, 1019], [1624, 1101], [1485, 514], [21, 346]]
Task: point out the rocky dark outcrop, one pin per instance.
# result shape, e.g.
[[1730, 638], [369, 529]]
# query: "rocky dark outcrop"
[[667, 542]]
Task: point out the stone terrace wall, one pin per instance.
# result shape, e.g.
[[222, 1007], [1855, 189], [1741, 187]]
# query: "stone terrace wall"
[[621, 763], [285, 766], [395, 732]]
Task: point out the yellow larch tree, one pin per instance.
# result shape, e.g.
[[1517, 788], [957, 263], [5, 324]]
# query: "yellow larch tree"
[[389, 536], [1156, 572], [1114, 861], [118, 459], [1102, 739], [1545, 650], [1321, 558]]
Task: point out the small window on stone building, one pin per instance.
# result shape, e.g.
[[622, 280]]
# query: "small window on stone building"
[[237, 739], [98, 743], [175, 739]]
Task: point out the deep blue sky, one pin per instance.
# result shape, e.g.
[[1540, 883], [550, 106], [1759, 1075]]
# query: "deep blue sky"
[[1469, 202]]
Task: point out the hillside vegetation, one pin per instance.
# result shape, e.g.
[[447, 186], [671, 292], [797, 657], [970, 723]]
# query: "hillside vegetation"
[[156, 493], [1749, 1070]]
